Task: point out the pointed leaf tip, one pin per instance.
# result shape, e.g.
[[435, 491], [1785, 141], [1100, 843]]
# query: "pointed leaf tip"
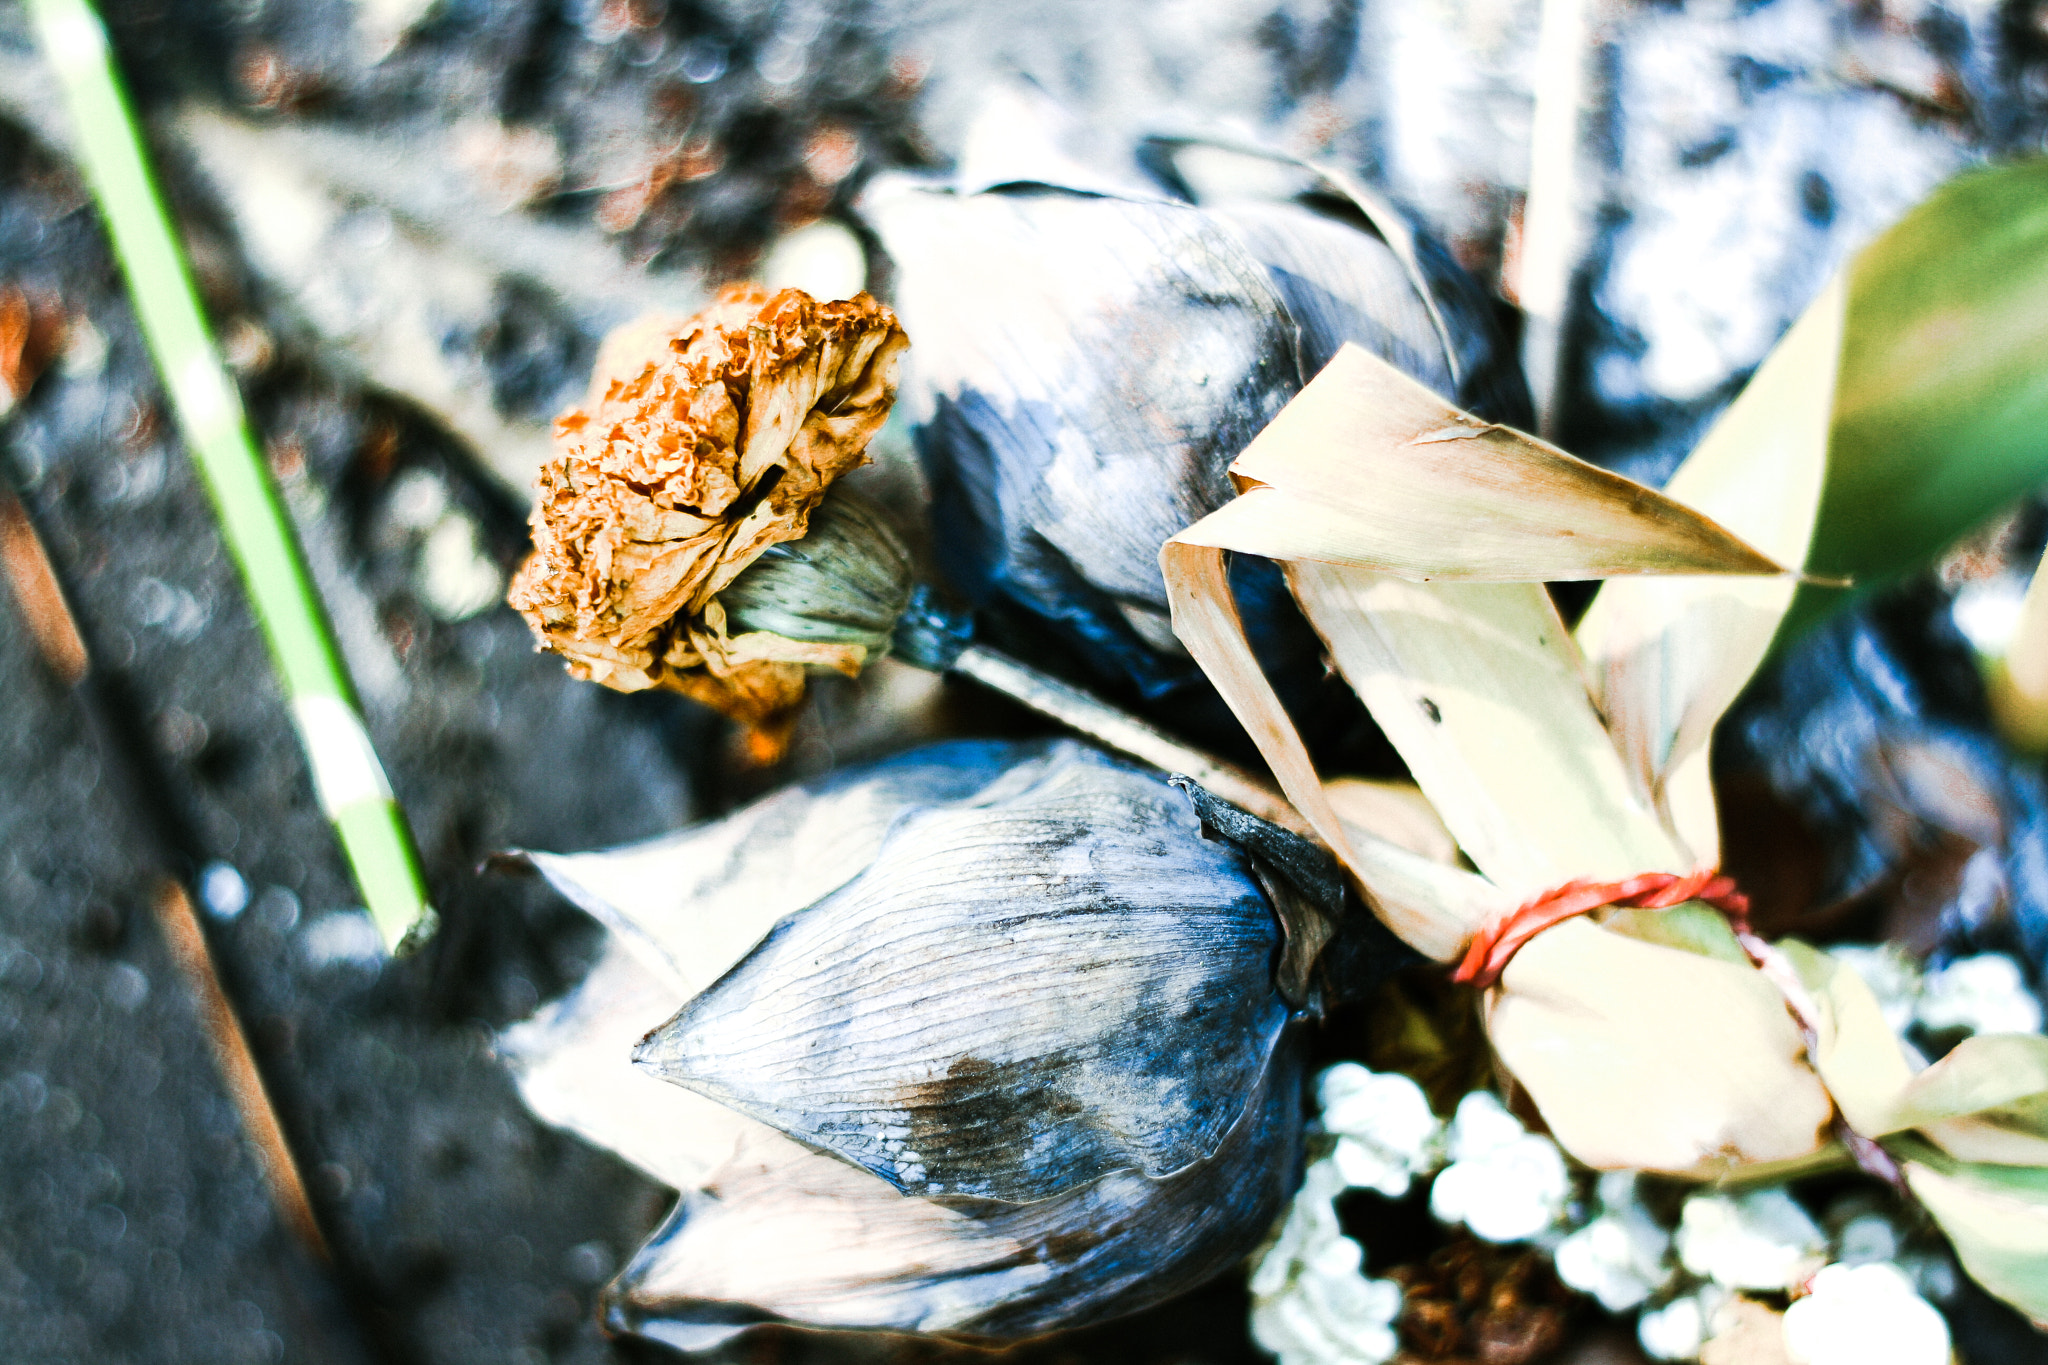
[[1367, 468]]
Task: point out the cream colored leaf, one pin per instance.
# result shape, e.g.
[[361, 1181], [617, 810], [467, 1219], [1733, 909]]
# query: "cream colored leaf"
[[1668, 656], [1357, 470], [1995, 1077], [1434, 914], [1397, 812], [1996, 1217], [1854, 1049], [1644, 1056], [1478, 686]]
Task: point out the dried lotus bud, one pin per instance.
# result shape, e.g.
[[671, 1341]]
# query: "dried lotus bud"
[[694, 453]]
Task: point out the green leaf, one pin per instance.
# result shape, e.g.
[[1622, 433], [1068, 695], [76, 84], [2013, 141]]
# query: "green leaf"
[[1996, 1217], [1941, 403]]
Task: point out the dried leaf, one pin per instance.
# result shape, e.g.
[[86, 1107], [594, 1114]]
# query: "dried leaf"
[[1668, 656], [1645, 1056], [1338, 478], [1854, 1049], [1996, 1218], [1478, 687]]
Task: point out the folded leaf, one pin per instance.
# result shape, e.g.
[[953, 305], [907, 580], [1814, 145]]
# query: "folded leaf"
[[1433, 915], [1996, 1218], [1367, 468], [1640, 1055], [1668, 656], [1854, 1048], [1478, 686], [1987, 1100]]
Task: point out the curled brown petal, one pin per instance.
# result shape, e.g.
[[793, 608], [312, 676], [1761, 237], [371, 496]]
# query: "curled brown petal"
[[700, 445]]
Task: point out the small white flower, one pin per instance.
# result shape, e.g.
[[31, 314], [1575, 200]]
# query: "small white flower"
[[1622, 1256], [1678, 1330], [1310, 1303], [1386, 1134], [1984, 994], [1865, 1315], [1505, 1184], [1759, 1240]]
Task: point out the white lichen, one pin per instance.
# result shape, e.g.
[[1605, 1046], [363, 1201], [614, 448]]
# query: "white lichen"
[[1504, 1183], [1761, 1239], [1863, 1314], [1386, 1133], [1623, 1255]]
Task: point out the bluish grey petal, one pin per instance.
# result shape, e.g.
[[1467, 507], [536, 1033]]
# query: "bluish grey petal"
[[1016, 999], [786, 1234]]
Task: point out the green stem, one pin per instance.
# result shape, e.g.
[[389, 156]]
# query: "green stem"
[[346, 774]]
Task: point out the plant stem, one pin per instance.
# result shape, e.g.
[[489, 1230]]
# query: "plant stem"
[[346, 774]]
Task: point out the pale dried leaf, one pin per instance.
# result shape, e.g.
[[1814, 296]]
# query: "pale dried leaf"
[[1341, 477], [1478, 687], [1206, 620], [1668, 656], [1644, 1056], [1996, 1218], [1397, 812], [1854, 1048]]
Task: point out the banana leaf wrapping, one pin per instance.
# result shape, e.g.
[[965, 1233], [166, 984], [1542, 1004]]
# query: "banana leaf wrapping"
[[1088, 364], [980, 1040]]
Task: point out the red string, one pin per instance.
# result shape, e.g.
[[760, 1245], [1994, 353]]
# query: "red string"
[[1490, 950]]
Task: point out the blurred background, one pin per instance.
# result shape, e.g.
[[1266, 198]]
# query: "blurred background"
[[412, 221]]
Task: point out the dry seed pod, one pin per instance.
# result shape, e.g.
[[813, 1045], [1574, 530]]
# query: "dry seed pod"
[[701, 446], [983, 1039]]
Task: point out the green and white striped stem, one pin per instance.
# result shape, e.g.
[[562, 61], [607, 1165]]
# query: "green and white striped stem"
[[346, 774]]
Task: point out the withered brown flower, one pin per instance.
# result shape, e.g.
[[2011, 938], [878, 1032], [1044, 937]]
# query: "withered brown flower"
[[699, 446]]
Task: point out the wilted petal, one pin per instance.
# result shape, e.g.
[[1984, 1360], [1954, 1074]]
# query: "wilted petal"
[[691, 904], [574, 1064], [1015, 998], [785, 1233]]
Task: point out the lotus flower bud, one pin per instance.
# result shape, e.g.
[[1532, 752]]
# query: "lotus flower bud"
[[1092, 363], [984, 1039], [700, 446]]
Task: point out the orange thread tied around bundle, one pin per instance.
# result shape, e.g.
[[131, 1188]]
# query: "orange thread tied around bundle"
[[1491, 949]]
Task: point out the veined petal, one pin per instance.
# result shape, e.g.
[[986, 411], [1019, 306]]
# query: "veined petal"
[[574, 1064], [785, 1233], [691, 904], [1014, 999]]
